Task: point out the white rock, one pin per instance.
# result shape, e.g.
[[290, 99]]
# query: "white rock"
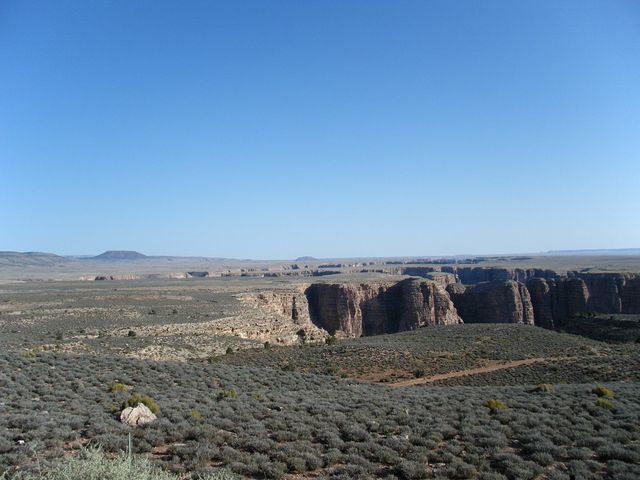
[[137, 416]]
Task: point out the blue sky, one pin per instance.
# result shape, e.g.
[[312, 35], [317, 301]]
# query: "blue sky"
[[327, 128]]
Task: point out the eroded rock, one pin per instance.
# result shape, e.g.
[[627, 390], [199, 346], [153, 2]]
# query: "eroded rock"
[[137, 416]]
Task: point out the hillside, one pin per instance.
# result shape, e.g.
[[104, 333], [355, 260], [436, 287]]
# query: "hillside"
[[24, 259]]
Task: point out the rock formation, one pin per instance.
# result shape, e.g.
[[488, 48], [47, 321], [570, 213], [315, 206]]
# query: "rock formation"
[[527, 296], [557, 300], [493, 302], [137, 416], [472, 275], [351, 310]]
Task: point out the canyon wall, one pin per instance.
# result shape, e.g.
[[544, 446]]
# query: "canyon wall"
[[353, 310], [542, 297], [557, 300], [493, 302], [361, 309]]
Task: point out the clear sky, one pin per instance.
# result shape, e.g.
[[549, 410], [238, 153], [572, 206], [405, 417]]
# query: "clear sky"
[[274, 129]]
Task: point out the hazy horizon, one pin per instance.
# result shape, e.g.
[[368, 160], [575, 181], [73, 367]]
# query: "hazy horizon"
[[332, 129]]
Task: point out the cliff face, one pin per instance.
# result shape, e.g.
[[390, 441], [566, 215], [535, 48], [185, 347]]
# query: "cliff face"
[[473, 275], [354, 310], [493, 302], [556, 301]]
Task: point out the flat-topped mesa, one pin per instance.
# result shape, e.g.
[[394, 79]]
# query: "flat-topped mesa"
[[354, 310], [493, 302]]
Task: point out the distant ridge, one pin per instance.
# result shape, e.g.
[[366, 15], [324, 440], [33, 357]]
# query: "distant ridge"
[[305, 259], [602, 251], [24, 259], [126, 255]]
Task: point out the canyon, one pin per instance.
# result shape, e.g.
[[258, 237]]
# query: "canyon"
[[539, 297]]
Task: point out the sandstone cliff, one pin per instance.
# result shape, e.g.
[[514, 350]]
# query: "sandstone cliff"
[[493, 302], [547, 299], [370, 309], [557, 300]]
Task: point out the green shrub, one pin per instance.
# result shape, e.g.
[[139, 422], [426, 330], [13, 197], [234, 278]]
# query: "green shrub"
[[119, 387], [419, 373], [543, 387], [146, 400], [231, 393], [495, 405], [603, 391], [195, 414], [604, 403], [131, 333], [331, 340]]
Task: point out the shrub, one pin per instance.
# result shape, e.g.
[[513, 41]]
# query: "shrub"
[[119, 387], [603, 391], [229, 350], [331, 340], [131, 333], [543, 387], [92, 464], [604, 403], [419, 373], [195, 414], [146, 400], [230, 393], [495, 405], [410, 470]]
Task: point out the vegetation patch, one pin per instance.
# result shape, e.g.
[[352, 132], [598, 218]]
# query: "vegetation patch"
[[146, 400]]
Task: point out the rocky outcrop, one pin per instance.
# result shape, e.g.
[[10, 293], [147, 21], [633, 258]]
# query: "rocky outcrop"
[[137, 416], [354, 310], [290, 304], [493, 302]]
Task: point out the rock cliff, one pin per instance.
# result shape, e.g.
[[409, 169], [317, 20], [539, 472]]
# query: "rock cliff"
[[493, 302], [351, 310], [557, 300], [544, 298], [473, 275]]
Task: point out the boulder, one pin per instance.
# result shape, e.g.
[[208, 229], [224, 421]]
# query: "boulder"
[[137, 416]]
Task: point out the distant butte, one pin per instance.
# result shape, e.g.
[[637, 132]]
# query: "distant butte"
[[119, 255]]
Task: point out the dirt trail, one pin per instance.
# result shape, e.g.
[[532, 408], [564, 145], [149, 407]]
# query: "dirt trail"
[[471, 371]]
